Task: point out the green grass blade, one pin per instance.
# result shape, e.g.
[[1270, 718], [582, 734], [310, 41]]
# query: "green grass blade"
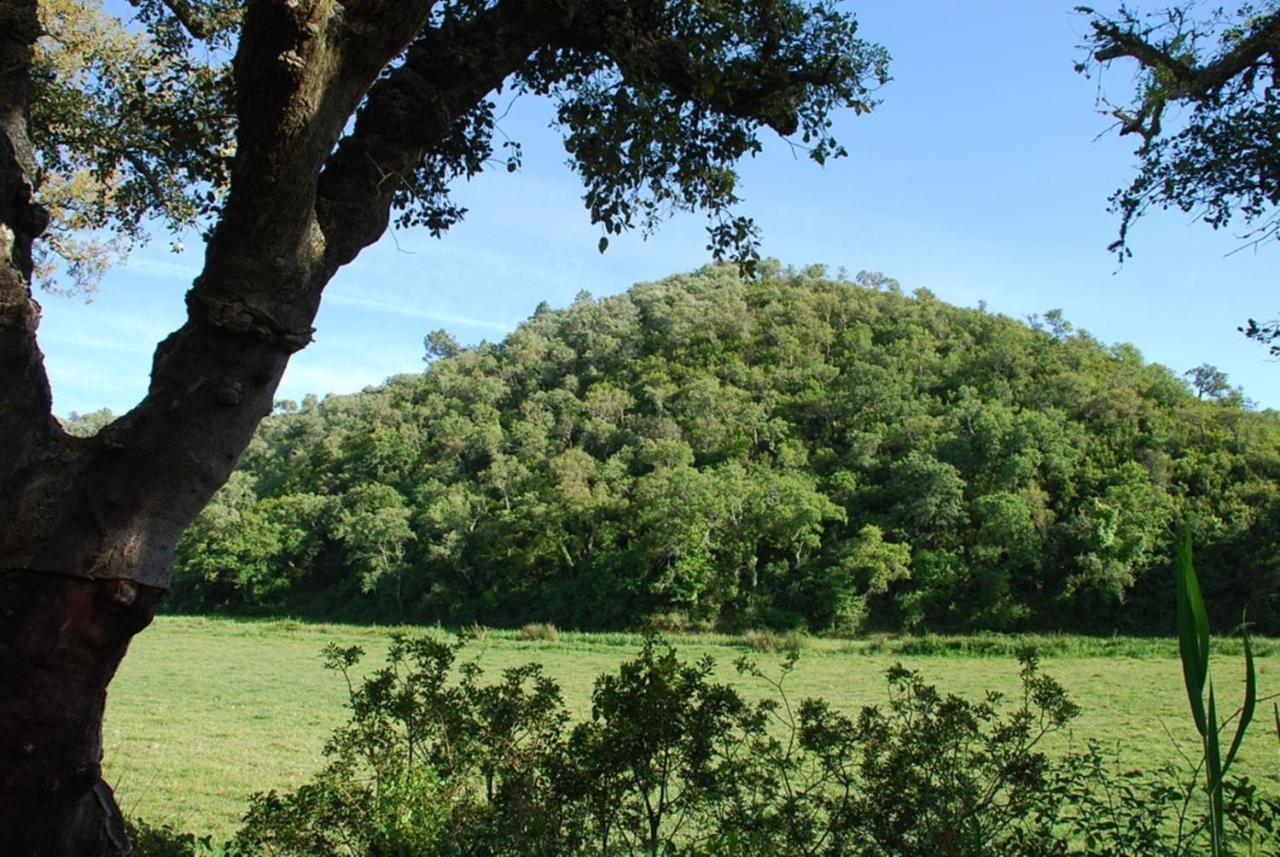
[[1193, 634], [1250, 702]]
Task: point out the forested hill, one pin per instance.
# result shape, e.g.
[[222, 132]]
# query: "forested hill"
[[786, 451]]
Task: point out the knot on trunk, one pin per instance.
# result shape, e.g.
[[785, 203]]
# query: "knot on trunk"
[[243, 319]]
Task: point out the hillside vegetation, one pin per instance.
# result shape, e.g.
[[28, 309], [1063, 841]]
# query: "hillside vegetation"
[[786, 451]]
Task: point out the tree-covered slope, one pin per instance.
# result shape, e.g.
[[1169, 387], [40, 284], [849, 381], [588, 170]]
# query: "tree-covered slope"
[[789, 450]]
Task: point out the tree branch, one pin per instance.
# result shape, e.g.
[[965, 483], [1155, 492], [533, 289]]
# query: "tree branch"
[[26, 418], [301, 68], [1191, 81], [186, 15], [450, 68], [447, 70], [768, 99]]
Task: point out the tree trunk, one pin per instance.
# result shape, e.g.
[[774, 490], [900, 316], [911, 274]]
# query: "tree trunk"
[[88, 527], [61, 639]]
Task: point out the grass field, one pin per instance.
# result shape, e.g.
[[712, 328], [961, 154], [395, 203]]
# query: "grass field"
[[206, 711]]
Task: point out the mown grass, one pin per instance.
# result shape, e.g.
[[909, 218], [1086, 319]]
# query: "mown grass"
[[205, 711]]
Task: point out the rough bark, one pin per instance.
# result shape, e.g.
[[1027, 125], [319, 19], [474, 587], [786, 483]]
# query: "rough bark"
[[25, 418], [61, 639]]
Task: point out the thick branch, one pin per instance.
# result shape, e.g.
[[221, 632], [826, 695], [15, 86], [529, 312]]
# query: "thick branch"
[[25, 415], [1191, 81], [189, 17], [1186, 80], [446, 72], [1120, 42], [301, 69], [769, 97]]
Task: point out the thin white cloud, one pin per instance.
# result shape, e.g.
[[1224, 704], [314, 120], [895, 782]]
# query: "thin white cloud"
[[160, 268], [393, 308], [151, 327], [132, 345]]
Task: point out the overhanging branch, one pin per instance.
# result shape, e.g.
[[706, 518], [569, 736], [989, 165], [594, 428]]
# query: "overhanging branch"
[[1189, 80], [190, 19], [446, 71]]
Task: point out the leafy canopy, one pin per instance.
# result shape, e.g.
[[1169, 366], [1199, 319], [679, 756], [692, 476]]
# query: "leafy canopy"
[[134, 120]]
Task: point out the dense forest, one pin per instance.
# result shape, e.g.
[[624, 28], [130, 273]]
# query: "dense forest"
[[789, 450]]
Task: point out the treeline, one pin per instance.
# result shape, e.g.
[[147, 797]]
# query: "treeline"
[[791, 450]]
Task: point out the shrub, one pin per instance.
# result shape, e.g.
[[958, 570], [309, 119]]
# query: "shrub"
[[151, 840], [673, 622], [434, 761], [767, 640], [424, 763], [931, 773], [540, 631]]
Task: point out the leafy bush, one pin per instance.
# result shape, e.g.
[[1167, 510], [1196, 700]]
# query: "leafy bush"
[[434, 761], [424, 763], [660, 758], [151, 840], [674, 622]]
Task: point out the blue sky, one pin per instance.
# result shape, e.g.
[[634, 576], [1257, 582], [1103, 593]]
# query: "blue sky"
[[980, 177]]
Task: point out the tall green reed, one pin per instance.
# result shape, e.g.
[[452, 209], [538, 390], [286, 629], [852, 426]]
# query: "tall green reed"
[[1193, 646]]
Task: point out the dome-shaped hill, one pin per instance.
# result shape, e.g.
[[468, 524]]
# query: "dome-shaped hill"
[[787, 450]]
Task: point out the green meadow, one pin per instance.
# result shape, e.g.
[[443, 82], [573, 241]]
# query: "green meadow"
[[206, 711]]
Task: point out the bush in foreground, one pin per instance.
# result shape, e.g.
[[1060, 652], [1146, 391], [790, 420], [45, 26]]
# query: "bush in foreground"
[[436, 762]]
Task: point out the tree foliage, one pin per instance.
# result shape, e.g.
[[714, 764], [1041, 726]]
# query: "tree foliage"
[[1205, 111], [131, 126], [135, 121], [788, 450]]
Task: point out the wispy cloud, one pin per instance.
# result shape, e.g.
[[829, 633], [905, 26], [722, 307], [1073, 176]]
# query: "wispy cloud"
[[161, 268], [128, 345], [371, 304]]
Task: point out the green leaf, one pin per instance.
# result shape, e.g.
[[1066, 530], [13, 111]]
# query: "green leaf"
[[1250, 701], [1193, 633], [604, 243]]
